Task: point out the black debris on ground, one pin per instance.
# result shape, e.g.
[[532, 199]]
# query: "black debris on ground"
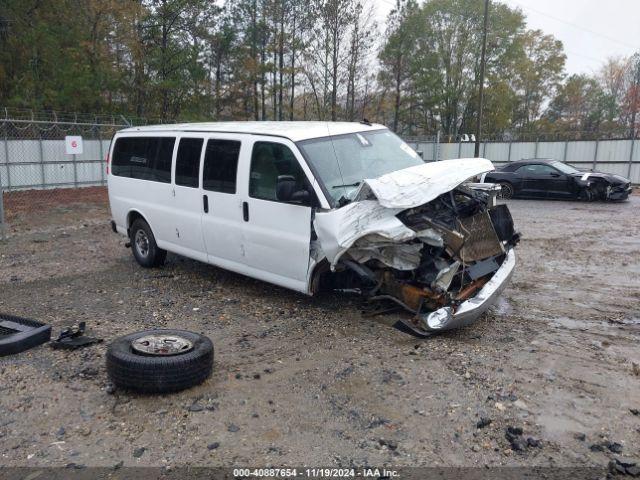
[[625, 466], [518, 442], [138, 452], [390, 444], [483, 422]]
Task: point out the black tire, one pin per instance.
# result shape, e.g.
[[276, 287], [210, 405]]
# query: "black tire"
[[131, 370], [506, 190], [28, 334], [144, 246], [586, 195]]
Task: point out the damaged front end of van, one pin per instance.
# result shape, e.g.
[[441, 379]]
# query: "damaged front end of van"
[[423, 238]]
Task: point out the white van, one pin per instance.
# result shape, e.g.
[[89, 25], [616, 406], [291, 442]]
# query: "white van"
[[316, 205]]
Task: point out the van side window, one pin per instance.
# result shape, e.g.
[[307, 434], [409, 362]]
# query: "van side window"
[[188, 162], [269, 161], [144, 158], [221, 166]]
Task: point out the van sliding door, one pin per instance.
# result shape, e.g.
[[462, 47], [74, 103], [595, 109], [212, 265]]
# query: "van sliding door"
[[220, 204], [185, 214]]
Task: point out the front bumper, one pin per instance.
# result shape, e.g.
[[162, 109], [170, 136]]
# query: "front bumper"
[[620, 192], [470, 310]]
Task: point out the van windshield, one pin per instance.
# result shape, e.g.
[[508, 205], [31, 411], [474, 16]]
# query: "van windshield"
[[343, 161]]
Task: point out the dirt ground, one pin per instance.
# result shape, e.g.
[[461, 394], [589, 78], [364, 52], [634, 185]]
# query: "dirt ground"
[[312, 381]]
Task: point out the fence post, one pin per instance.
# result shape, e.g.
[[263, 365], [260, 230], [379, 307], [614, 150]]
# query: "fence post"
[[6, 157], [437, 156], [535, 153], [41, 158], [3, 233], [633, 143], [509, 154], [595, 155], [566, 147], [75, 171], [3, 224], [435, 149], [102, 167]]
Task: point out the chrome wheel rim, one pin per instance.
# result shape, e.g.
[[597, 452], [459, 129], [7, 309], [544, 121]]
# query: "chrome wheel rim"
[[142, 243], [162, 345], [506, 191]]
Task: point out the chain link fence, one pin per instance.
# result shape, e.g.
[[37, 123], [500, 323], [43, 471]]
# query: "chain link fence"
[[38, 170], [38, 173]]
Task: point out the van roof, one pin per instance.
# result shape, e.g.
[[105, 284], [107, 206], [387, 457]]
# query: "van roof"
[[294, 131]]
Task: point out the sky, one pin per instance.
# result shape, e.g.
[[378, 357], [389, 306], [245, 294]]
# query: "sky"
[[591, 30]]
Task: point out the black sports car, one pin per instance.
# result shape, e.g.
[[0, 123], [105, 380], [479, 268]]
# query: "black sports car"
[[545, 178]]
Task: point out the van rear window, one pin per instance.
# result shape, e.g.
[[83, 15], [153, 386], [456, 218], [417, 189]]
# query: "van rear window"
[[144, 158]]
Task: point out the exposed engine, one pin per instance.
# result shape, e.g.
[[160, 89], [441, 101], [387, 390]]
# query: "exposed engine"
[[458, 241]]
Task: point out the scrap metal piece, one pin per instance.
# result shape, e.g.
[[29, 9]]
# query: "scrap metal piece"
[[409, 326], [445, 277], [431, 237], [70, 339]]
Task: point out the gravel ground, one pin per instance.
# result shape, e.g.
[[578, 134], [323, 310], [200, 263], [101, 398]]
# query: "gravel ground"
[[301, 380]]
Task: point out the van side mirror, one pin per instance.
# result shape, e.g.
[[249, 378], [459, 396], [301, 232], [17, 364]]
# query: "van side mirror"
[[286, 191], [302, 197]]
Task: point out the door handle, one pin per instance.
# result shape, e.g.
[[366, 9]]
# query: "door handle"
[[245, 211], [205, 203]]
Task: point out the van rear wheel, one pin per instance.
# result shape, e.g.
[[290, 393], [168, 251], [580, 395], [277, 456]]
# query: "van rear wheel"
[[144, 246]]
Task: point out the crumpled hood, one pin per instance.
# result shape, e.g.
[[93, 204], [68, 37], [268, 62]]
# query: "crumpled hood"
[[377, 202], [415, 186]]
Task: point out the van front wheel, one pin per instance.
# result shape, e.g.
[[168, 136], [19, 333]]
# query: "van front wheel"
[[144, 246]]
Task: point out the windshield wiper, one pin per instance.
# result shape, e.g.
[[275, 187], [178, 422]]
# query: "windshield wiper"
[[354, 184]]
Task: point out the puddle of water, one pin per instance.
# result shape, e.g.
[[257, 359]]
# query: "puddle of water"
[[557, 427], [593, 325], [630, 321], [570, 323], [502, 307]]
